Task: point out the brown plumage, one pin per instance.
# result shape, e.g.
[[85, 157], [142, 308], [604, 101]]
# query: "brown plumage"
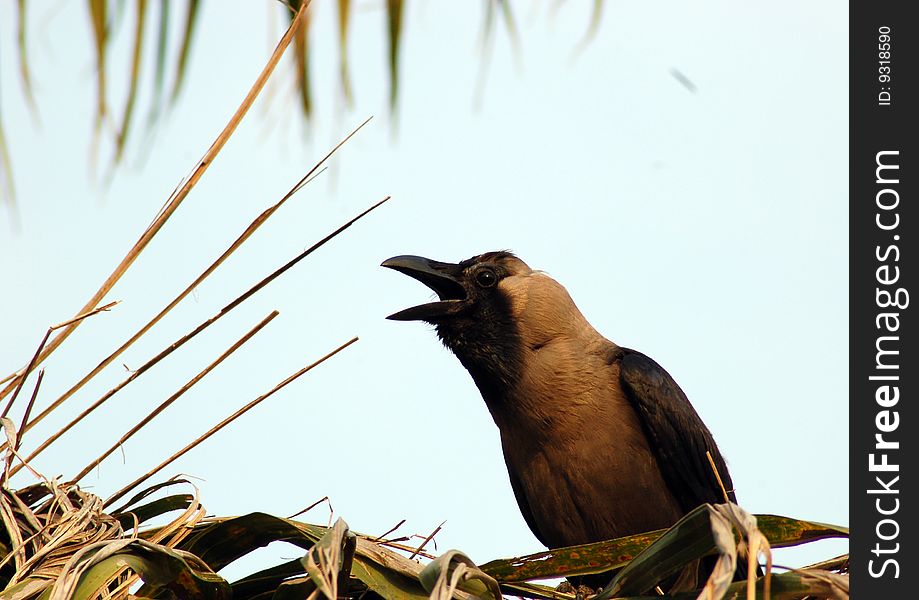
[[599, 441]]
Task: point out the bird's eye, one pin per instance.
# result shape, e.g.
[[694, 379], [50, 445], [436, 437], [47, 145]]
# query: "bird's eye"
[[486, 278]]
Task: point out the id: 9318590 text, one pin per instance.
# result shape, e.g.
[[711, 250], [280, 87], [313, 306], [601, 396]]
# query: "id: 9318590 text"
[[884, 58]]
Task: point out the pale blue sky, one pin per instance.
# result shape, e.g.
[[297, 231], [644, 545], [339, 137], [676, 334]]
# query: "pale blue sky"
[[707, 229]]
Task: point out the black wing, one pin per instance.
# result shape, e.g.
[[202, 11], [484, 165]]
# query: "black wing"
[[677, 434]]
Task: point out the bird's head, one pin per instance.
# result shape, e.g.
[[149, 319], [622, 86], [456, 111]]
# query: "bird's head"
[[492, 311], [472, 290], [477, 307]]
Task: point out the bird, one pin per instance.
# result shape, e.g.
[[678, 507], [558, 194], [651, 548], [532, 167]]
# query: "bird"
[[599, 440]]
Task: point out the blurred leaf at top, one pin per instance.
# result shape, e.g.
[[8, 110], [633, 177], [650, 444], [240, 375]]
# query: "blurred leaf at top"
[[168, 31]]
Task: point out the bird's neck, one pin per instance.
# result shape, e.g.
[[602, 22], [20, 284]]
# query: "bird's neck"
[[493, 361], [497, 368]]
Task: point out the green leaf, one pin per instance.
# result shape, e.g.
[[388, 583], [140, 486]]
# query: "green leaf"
[[325, 559], [159, 72], [161, 568], [7, 189], [30, 587], [133, 81], [302, 56], [267, 580], [148, 492], [394, 19], [344, 19], [151, 510], [218, 544], [592, 28], [454, 570], [510, 23], [295, 589], [191, 19], [587, 559], [533, 590], [390, 574], [387, 573], [23, 58], [97, 13], [600, 557], [784, 586], [386, 582], [784, 531], [691, 538]]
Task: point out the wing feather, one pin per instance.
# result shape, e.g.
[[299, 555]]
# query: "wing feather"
[[677, 434]]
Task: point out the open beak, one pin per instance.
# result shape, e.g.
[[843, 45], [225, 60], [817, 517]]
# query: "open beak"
[[443, 278]]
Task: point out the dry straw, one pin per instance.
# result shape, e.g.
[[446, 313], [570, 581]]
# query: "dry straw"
[[174, 201]]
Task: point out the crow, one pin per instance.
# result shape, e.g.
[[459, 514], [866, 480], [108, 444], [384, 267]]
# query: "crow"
[[599, 440]]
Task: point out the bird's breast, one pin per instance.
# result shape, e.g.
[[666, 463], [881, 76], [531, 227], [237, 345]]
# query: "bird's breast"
[[575, 445]]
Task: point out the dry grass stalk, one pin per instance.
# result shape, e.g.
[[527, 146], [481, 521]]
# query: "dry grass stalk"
[[21, 377], [252, 228], [426, 540], [724, 492], [226, 309], [314, 504], [29, 406], [180, 193], [58, 530], [838, 564], [16, 439], [169, 535], [831, 585], [53, 532], [413, 550], [178, 394], [48, 523], [390, 530], [323, 560], [120, 493], [281, 270]]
